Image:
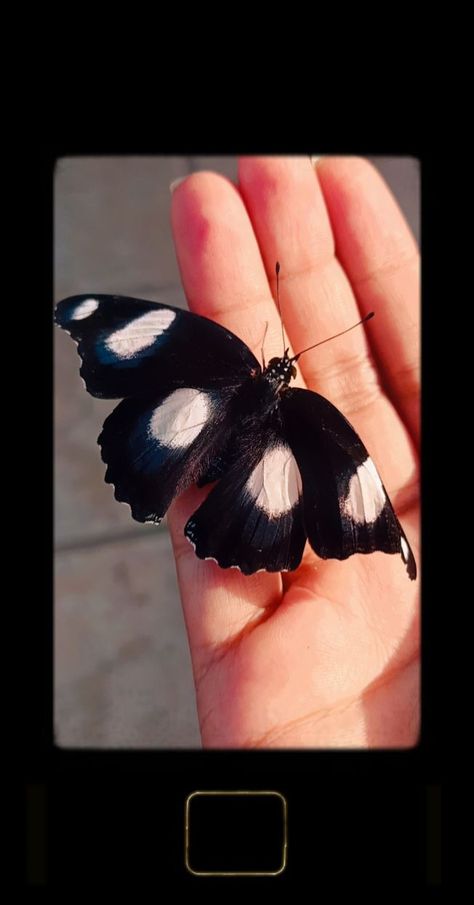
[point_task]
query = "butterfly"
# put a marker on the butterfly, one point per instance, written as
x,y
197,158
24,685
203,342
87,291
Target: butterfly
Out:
x,y
197,408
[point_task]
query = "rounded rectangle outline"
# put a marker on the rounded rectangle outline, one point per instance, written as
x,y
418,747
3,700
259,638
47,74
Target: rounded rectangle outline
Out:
x,y
196,873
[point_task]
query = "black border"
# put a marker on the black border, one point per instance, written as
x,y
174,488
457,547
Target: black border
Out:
x,y
119,814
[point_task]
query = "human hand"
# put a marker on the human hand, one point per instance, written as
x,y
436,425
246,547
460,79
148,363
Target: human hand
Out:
x,y
328,655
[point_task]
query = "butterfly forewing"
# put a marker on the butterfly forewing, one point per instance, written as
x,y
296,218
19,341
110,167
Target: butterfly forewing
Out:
x,y
130,347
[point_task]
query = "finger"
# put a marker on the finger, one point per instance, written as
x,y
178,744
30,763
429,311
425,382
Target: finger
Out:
x,y
290,220
381,259
224,279
220,263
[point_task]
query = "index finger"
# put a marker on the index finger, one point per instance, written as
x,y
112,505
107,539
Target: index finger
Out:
x,y
224,279
220,262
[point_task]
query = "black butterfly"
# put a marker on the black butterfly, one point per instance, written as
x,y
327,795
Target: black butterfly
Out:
x,y
197,407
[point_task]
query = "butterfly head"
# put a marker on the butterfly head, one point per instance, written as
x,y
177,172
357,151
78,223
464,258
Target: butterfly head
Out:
x,y
280,370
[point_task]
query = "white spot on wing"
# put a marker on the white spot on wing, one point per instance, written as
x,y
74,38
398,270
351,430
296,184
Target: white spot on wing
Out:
x,y
85,309
366,497
275,483
405,549
180,418
140,333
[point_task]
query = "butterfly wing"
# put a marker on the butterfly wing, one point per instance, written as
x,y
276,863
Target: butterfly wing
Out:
x,y
157,446
346,507
253,518
177,373
131,346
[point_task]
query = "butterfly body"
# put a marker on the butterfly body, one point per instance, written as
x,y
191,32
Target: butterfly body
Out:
x,y
198,408
280,371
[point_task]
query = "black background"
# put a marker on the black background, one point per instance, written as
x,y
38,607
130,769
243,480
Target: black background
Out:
x,y
357,821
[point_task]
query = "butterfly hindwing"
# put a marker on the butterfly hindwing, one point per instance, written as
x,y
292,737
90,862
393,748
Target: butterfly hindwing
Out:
x,y
253,518
220,463
346,507
156,447
130,347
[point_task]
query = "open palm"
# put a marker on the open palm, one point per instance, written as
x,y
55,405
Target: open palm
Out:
x,y
328,655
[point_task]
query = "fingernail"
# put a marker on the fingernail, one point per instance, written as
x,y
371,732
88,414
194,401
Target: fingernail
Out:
x,y
315,160
176,182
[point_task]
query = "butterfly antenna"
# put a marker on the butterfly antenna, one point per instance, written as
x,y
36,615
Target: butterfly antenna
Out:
x,y
277,271
364,319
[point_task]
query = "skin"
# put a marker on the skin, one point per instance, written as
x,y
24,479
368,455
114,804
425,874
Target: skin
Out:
x,y
326,656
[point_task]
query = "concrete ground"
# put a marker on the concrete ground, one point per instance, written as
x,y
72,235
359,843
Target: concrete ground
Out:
x,y
122,666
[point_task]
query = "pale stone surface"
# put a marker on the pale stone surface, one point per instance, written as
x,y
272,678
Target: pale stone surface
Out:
x,y
122,665
112,231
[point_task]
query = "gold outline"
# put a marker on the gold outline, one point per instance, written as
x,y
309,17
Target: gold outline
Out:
x,y
234,873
